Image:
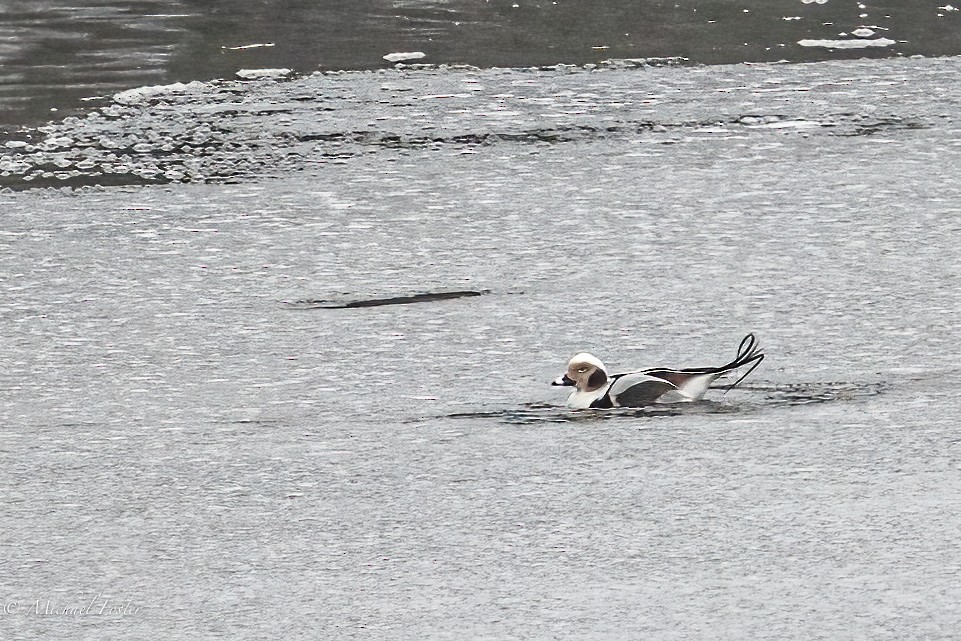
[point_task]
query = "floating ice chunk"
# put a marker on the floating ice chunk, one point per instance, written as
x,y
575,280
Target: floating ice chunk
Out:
x,y
847,44
791,124
143,94
14,167
258,74
863,32
401,56
54,142
253,46
817,1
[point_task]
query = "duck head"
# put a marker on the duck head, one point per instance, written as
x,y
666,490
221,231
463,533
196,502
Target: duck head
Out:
x,y
585,372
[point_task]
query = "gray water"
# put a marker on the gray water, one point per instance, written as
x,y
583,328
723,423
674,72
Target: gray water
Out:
x,y
184,433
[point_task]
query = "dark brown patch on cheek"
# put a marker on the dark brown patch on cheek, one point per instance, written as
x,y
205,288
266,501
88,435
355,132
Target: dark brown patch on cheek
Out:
x,y
596,380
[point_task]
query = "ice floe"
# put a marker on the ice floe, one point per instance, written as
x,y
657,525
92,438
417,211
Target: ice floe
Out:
x,y
847,44
401,56
258,74
143,94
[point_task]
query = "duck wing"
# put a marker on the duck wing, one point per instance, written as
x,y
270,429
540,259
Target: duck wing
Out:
x,y
638,389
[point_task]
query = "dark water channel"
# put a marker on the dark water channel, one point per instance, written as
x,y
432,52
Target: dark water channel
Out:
x,y
57,56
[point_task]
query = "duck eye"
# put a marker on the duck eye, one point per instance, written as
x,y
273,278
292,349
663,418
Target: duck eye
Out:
x,y
581,370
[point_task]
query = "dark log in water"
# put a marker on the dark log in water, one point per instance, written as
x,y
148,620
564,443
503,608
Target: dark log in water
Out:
x,y
425,297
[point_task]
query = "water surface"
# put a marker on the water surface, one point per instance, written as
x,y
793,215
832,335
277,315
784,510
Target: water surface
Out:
x,y
56,55
180,435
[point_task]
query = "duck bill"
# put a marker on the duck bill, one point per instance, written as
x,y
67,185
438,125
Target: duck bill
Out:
x,y
564,381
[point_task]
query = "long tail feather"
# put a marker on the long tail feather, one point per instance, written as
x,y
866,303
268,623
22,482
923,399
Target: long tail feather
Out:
x,y
748,353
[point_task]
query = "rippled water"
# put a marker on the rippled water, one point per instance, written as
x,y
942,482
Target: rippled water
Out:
x,y
57,56
181,431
